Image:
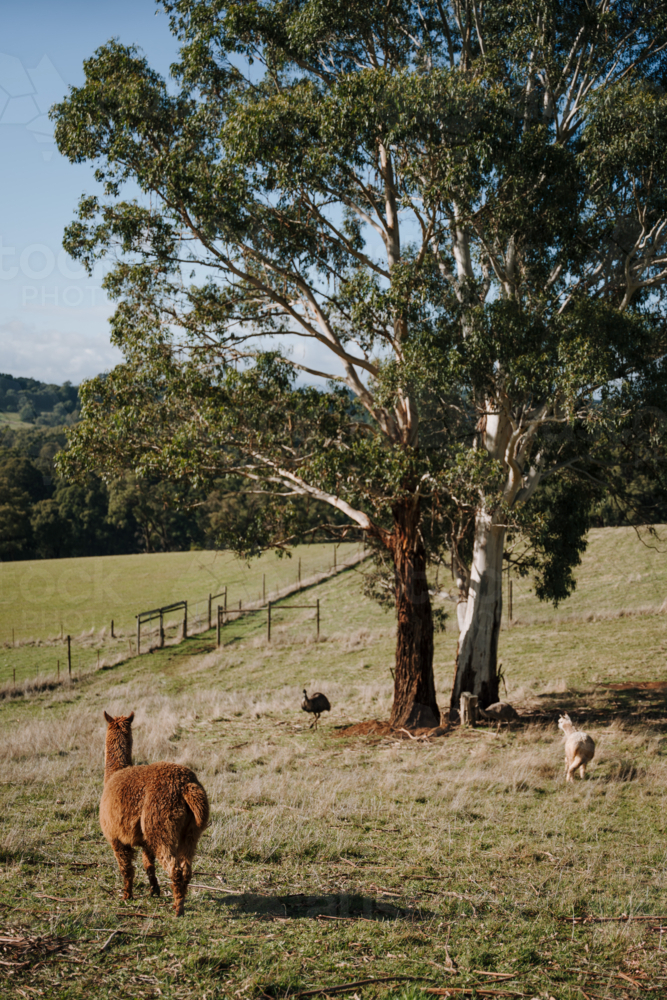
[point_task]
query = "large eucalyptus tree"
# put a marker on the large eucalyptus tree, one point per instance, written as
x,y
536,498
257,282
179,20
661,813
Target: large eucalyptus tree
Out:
x,y
458,209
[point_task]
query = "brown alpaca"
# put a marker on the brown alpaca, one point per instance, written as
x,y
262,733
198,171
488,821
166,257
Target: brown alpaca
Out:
x,y
161,808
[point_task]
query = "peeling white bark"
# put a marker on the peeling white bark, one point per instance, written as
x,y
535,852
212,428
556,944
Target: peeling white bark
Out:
x,y
478,641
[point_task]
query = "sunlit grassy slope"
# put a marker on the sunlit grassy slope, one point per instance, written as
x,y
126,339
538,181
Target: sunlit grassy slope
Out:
x,y
621,570
332,860
38,597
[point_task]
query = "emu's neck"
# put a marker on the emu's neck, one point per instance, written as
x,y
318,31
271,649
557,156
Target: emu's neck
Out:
x,y
117,753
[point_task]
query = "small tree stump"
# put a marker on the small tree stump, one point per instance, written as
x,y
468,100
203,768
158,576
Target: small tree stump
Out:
x,y
468,709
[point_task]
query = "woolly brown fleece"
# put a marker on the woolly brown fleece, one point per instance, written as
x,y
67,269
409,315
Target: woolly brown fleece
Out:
x,y
161,808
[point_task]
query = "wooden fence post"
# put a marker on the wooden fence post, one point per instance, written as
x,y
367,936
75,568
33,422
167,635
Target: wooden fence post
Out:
x,y
112,635
185,620
468,709
161,630
318,617
209,610
69,657
299,569
510,613
268,623
218,625
138,635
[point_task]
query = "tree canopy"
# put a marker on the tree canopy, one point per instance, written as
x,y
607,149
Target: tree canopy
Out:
x,y
449,218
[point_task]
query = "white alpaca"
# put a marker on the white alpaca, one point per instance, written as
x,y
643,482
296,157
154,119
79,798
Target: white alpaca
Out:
x,y
579,748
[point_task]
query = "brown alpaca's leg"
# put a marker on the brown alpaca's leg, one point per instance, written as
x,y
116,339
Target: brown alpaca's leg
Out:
x,y
582,771
184,865
124,856
179,888
173,869
149,868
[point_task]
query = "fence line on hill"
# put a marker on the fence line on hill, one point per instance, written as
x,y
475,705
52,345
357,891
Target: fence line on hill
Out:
x,y
117,645
198,623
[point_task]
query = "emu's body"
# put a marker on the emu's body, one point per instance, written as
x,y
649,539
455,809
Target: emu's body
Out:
x,y
161,808
500,711
579,748
316,704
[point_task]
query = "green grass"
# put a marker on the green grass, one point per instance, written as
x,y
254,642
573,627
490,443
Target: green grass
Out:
x,y
620,571
37,596
12,420
332,859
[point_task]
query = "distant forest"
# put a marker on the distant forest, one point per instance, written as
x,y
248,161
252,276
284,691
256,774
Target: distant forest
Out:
x,y
44,517
38,403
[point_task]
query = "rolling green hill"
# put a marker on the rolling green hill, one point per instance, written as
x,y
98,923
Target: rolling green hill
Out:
x,y
37,597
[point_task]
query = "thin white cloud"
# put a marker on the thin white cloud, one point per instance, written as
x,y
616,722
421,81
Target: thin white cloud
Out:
x,y
54,355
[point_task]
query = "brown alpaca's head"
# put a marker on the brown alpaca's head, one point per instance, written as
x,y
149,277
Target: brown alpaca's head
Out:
x,y
118,748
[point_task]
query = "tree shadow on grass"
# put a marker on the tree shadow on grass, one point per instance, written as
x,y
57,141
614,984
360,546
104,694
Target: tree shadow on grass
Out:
x,y
633,703
330,906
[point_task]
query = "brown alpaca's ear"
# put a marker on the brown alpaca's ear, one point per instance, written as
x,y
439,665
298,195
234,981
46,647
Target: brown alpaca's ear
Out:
x,y
130,717
109,718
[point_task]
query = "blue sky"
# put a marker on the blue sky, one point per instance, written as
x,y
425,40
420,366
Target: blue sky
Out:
x,y
53,318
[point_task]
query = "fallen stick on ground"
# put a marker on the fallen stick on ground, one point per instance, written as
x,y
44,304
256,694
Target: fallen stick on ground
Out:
x,y
120,930
480,991
347,987
109,940
497,975
622,975
218,888
58,899
590,919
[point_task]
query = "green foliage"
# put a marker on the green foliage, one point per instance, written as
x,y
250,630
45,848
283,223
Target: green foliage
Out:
x,y
554,536
462,211
34,401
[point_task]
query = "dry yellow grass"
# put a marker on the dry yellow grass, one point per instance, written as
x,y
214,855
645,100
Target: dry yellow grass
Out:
x,y
331,859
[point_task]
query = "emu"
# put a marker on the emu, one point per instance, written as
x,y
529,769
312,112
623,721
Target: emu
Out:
x,y
161,808
316,704
500,711
579,748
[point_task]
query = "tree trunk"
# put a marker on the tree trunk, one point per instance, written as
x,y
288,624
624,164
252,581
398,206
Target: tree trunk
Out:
x,y
414,686
476,659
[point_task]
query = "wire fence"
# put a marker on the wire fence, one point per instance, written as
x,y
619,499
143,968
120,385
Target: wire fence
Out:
x,y
65,655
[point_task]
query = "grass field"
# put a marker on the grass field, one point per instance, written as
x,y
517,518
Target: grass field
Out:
x,y
620,571
42,600
8,418
463,864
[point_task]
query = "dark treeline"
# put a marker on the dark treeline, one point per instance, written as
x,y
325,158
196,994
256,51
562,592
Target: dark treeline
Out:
x,y
39,403
44,517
